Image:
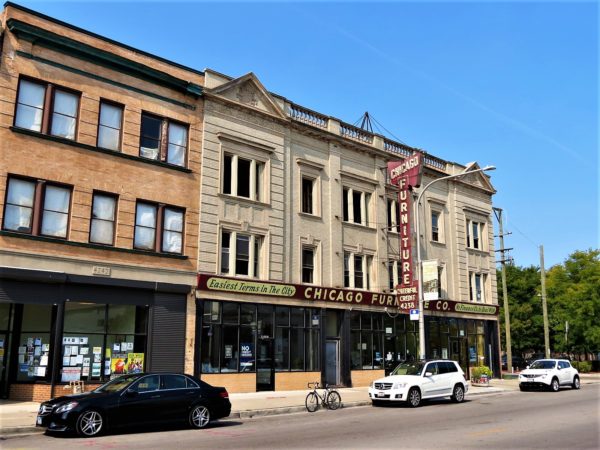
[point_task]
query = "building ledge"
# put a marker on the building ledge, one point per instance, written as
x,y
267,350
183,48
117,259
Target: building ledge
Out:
x,y
13,234
98,149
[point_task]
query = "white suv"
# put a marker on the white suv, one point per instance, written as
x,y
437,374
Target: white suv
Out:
x,y
413,382
549,373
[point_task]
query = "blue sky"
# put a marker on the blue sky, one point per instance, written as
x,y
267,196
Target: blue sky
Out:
x,y
511,84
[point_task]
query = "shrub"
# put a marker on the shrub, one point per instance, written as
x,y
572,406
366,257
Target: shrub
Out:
x,y
582,366
477,372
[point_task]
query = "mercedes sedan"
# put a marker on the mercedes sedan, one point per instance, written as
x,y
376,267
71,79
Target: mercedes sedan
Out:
x,y
136,400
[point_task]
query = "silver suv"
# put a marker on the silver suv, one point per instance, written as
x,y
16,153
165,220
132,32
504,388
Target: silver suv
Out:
x,y
549,373
412,382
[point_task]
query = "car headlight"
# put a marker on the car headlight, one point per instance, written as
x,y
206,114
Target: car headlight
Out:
x,y
66,407
399,385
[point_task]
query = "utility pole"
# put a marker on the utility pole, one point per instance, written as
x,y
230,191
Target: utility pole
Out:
x,y
498,213
544,306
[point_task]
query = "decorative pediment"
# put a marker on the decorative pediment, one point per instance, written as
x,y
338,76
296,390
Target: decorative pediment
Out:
x,y
478,179
249,92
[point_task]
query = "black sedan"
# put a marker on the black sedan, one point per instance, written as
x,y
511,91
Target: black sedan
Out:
x,y
136,399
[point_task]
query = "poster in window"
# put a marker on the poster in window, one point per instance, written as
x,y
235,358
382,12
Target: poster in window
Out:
x,y
228,351
70,374
84,350
135,362
37,341
83,340
85,371
40,371
86,361
45,347
74,350
22,350
44,360
118,364
97,350
38,350
66,361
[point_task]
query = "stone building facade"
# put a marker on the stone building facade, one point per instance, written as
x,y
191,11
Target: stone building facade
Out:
x,y
300,250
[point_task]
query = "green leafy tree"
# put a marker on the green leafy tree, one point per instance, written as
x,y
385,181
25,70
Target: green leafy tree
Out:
x,y
573,290
525,307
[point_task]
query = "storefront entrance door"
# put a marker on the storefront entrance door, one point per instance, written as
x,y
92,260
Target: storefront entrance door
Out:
x,y
458,352
332,361
265,365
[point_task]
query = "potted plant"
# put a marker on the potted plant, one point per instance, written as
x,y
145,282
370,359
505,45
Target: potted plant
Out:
x,y
481,375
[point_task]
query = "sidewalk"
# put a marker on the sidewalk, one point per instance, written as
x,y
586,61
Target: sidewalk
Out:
x,y
18,418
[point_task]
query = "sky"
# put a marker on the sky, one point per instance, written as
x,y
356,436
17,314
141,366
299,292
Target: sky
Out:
x,y
511,84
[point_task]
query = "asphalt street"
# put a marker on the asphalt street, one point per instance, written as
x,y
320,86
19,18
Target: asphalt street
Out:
x,y
510,420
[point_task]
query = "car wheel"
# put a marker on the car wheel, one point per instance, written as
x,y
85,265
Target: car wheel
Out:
x,y
376,402
554,386
414,397
459,394
199,416
89,423
576,383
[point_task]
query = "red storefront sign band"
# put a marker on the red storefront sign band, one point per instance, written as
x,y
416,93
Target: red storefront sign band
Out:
x,y
216,283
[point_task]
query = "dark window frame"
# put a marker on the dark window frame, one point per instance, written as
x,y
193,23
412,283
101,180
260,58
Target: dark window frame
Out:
x,y
159,226
37,210
115,197
114,104
163,138
50,90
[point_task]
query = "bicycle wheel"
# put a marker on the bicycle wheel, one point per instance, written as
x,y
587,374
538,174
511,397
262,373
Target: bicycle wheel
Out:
x,y
334,400
312,402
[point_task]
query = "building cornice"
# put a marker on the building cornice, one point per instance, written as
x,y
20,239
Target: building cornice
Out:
x,y
85,52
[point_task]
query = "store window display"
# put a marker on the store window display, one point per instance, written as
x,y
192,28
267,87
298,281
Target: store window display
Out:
x,y
100,341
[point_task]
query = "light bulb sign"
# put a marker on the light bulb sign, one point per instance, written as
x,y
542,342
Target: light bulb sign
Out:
x,y
406,175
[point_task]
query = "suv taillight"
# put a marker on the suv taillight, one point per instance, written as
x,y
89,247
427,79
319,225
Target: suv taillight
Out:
x,y
224,394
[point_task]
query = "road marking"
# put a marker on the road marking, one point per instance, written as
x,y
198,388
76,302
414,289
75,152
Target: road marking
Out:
x,y
487,432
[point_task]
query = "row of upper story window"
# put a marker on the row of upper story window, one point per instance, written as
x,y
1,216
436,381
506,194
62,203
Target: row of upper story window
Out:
x,y
244,254
53,110
43,208
475,229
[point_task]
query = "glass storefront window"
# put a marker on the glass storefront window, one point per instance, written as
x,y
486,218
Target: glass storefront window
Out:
x,y
282,316
100,341
297,349
230,350
211,339
282,346
34,343
122,319
230,313
231,347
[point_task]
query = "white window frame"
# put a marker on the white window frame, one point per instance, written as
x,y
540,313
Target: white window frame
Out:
x,y
396,273
473,277
259,156
393,215
252,256
366,265
481,227
365,206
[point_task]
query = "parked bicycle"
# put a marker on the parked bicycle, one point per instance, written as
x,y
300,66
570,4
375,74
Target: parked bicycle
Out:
x,y
330,398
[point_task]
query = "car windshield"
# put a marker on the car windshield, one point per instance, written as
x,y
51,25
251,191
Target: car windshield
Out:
x,y
409,369
118,383
543,364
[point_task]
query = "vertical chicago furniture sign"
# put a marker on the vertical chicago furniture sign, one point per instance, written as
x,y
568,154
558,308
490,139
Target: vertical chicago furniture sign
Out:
x,y
406,175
